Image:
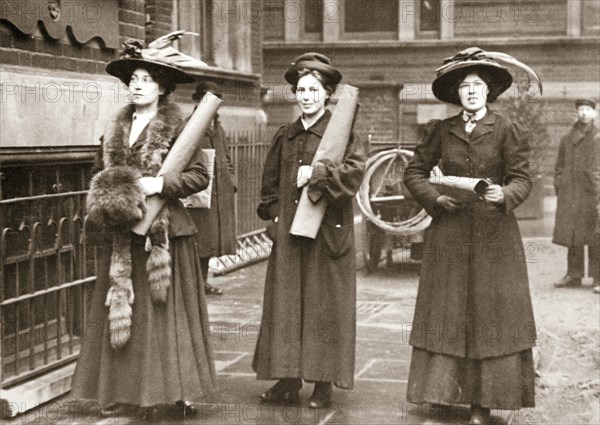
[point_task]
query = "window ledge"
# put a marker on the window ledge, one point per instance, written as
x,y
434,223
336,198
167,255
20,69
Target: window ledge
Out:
x,y
458,42
222,73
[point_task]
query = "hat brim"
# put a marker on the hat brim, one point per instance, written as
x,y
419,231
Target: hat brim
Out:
x,y
331,74
123,68
585,102
445,86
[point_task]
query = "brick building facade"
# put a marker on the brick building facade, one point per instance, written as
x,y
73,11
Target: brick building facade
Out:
x,y
56,99
391,48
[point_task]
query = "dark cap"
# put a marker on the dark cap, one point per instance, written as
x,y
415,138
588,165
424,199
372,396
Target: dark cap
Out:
x,y
585,101
206,86
315,62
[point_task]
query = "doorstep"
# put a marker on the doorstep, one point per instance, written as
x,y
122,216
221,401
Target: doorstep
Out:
x,y
30,394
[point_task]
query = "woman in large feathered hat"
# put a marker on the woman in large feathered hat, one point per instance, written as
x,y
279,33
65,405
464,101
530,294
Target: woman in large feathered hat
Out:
x,y
473,329
149,348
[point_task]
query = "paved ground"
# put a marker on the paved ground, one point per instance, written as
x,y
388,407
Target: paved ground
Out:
x,y
385,307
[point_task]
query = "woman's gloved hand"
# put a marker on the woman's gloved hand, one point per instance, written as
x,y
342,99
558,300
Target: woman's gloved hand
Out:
x,y
304,175
152,185
494,194
448,203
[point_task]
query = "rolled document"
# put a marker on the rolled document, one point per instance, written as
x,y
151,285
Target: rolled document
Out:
x,y
463,189
180,154
309,216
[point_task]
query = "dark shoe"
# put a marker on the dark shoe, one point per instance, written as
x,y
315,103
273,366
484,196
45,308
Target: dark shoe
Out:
x,y
185,409
479,415
117,409
285,391
211,290
321,396
568,282
151,414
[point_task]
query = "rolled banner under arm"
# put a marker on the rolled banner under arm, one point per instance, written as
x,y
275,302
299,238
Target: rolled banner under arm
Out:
x,y
309,215
180,154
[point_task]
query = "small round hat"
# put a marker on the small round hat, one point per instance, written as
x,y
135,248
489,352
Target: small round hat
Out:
x,y
313,61
585,101
456,68
206,86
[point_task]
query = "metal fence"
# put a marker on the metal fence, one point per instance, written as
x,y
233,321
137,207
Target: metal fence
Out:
x,y
46,271
47,267
248,150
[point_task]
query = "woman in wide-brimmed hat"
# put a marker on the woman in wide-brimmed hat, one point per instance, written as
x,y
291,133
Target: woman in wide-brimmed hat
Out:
x,y
150,346
473,328
308,325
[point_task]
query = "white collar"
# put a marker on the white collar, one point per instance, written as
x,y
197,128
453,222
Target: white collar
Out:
x,y
476,115
144,116
306,126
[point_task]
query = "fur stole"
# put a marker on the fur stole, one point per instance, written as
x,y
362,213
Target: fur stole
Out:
x,y
116,201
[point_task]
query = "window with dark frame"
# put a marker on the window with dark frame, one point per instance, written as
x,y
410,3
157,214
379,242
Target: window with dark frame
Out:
x,y
429,15
371,16
313,16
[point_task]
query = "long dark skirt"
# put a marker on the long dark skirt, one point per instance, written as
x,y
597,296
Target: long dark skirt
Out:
x,y
168,357
505,382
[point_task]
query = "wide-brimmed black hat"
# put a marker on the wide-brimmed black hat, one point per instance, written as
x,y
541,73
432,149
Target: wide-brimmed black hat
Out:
x,y
206,86
585,101
316,62
134,56
456,68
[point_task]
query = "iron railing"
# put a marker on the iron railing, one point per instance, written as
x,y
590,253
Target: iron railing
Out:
x,y
46,270
48,265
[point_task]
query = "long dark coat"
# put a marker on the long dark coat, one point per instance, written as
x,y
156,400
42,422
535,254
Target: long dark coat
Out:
x,y
168,357
216,225
308,327
473,298
577,184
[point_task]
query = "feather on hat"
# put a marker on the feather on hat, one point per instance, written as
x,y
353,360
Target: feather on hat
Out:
x,y
159,55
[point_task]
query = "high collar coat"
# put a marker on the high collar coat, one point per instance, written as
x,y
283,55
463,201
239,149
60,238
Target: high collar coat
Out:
x,y
577,184
473,298
308,327
216,225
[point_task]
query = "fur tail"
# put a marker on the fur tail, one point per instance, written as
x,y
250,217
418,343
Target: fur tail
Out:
x,y
120,295
159,273
119,317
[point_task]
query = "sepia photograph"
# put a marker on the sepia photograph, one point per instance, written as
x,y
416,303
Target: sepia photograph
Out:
x,y
344,212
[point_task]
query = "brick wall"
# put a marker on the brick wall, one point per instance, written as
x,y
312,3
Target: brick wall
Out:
x,y
42,52
160,12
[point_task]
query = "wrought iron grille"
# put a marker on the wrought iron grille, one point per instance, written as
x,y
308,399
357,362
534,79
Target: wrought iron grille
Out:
x,y
47,270
48,262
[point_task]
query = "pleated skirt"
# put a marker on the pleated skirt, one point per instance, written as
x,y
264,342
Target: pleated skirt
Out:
x,y
506,382
168,357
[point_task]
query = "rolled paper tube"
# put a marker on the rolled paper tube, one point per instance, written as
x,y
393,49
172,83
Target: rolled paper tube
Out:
x,y
180,154
309,215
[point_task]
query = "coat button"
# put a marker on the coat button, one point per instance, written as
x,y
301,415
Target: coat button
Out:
x,y
299,161
295,202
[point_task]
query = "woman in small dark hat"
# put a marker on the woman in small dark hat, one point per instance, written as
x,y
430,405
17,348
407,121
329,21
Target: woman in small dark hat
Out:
x,y
473,328
149,344
308,325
